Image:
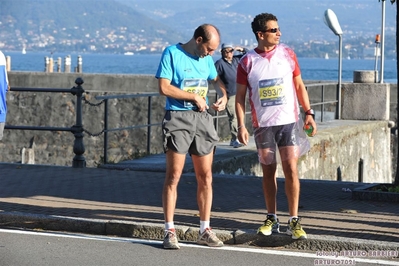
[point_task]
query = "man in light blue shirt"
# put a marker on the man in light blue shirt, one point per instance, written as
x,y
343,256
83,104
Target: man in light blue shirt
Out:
x,y
4,87
184,74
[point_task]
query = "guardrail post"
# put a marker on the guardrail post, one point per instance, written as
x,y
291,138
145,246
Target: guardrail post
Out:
x,y
79,160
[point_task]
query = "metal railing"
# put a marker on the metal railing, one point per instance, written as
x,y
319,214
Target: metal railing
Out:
x,y
322,104
149,124
78,130
79,160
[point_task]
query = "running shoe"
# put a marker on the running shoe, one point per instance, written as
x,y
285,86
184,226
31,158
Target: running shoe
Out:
x,y
295,229
270,225
237,144
208,237
170,240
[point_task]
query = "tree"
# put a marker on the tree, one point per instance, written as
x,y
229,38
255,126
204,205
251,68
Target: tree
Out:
x,y
397,83
396,183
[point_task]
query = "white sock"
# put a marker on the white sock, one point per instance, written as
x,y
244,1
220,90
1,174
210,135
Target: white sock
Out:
x,y
204,225
292,217
169,225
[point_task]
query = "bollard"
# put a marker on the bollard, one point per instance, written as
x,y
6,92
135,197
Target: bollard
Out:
x,y
360,171
8,63
59,62
46,64
364,76
67,67
339,174
79,67
50,65
79,160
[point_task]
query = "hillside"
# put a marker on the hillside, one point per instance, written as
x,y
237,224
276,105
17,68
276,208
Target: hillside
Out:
x,y
299,20
78,24
147,26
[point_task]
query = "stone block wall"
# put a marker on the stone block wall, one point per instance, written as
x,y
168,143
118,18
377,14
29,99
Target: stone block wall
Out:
x,y
336,146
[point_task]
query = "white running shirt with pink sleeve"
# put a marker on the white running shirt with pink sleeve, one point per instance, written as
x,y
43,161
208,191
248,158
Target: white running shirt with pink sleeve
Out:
x,y
269,78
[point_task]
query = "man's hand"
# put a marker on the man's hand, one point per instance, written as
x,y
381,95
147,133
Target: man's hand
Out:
x,y
200,102
220,104
243,135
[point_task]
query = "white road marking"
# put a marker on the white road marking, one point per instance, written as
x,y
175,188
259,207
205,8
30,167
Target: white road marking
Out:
x,y
230,248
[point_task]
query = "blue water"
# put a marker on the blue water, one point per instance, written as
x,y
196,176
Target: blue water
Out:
x,y
311,68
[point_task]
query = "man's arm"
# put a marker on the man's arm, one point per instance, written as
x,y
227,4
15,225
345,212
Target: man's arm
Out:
x,y
219,86
303,99
242,50
168,90
243,136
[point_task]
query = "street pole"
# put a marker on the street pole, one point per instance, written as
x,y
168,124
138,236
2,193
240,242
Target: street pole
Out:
x,y
377,51
339,77
382,43
331,20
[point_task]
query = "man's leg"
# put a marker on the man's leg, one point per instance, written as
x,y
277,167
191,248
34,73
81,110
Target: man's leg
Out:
x,y
174,168
292,191
269,185
2,124
203,173
292,186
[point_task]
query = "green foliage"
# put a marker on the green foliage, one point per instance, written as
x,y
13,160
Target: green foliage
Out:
x,y
394,189
386,188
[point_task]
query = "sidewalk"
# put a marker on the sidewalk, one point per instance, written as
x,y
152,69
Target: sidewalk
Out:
x,y
128,203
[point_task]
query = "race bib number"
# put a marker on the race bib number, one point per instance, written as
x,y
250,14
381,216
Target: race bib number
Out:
x,y
197,86
271,92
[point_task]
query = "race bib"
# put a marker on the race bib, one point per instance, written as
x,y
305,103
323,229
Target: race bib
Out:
x,y
271,92
197,86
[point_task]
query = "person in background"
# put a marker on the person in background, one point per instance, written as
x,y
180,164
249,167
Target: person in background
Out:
x,y
271,75
227,71
183,76
4,87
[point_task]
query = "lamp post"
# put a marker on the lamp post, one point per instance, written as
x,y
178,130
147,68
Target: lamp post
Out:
x,y
331,20
382,43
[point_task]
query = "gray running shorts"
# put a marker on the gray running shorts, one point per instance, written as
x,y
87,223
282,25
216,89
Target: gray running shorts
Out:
x,y
189,131
269,137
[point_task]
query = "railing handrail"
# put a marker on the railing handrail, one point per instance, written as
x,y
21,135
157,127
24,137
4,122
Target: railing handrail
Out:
x,y
79,160
77,129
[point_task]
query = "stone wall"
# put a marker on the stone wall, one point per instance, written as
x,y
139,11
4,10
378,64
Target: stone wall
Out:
x,y
335,143
345,150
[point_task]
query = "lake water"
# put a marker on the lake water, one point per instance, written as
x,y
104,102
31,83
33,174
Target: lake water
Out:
x,y
311,68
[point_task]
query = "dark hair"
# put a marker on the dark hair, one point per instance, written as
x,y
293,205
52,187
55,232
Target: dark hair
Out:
x,y
203,31
260,21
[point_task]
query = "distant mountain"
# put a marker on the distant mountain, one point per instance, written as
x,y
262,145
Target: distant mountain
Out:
x,y
143,26
299,20
80,24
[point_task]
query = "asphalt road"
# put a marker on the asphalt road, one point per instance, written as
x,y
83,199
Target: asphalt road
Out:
x,y
31,248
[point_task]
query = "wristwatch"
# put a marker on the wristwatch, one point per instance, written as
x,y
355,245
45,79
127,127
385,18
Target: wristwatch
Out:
x,y
310,112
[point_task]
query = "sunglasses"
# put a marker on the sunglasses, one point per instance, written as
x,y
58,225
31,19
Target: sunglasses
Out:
x,y
273,30
228,51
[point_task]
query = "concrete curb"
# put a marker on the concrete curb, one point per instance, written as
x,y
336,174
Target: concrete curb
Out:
x,y
187,234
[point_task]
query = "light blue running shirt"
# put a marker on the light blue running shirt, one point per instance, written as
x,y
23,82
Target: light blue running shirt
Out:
x,y
187,72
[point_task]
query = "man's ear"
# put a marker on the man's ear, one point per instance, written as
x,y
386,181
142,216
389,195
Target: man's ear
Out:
x,y
199,39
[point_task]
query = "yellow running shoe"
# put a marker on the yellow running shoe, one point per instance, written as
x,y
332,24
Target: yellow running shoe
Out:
x,y
270,225
295,229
